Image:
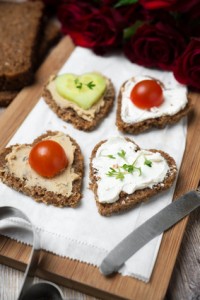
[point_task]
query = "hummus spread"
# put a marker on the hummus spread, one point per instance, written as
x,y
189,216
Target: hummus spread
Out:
x,y
17,164
87,115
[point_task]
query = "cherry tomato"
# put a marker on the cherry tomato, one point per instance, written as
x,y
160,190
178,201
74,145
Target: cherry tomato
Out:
x,y
48,158
146,94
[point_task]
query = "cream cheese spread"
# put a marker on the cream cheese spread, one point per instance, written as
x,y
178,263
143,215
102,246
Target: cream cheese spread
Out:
x,y
87,115
149,168
17,164
175,99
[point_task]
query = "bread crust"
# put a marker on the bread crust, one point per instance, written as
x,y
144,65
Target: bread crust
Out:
x,y
19,58
71,116
41,194
126,201
6,97
51,35
160,122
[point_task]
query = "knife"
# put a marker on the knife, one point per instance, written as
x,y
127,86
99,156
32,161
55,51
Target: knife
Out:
x,y
153,227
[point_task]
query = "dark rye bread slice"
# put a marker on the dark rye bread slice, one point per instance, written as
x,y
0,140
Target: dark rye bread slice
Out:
x,y
6,97
20,25
142,126
37,192
70,115
126,201
51,35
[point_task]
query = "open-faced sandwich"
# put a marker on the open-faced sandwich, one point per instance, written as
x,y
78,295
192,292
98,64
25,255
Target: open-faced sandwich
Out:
x,y
145,102
49,170
122,174
81,100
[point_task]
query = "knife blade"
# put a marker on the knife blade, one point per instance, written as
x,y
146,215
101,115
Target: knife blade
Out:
x,y
153,227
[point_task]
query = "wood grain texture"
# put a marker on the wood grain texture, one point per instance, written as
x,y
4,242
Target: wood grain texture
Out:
x,y
11,281
185,280
1,111
78,275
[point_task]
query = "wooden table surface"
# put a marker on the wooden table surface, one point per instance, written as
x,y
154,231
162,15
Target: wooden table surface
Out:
x,y
185,280
184,284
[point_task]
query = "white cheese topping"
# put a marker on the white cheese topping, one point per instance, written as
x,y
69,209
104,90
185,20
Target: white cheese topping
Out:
x,y
107,156
175,99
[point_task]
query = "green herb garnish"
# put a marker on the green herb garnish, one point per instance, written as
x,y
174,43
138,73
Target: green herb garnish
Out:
x,y
148,162
117,173
90,85
124,2
122,154
121,171
80,84
111,156
131,168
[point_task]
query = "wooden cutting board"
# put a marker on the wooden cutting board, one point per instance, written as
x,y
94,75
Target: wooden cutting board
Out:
x,y
81,276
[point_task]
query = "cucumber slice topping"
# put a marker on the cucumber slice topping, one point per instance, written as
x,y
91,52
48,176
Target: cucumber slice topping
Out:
x,y
84,90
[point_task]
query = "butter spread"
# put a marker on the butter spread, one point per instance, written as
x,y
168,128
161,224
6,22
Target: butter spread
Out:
x,y
87,115
17,164
107,156
175,99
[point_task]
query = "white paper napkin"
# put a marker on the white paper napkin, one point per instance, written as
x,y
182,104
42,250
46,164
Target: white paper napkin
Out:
x,y
82,233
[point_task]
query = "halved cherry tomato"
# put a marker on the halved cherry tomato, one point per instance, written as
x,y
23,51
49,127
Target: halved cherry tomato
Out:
x,y
146,94
48,158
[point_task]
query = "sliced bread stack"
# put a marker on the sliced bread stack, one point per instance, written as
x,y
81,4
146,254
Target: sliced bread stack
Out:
x,y
24,40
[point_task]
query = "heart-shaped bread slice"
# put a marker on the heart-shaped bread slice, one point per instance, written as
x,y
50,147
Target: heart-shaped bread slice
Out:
x,y
122,174
82,100
132,119
84,90
61,190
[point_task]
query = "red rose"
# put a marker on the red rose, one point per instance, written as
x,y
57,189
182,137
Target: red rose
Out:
x,y
174,5
96,28
72,15
156,45
186,5
187,68
158,4
191,28
130,13
157,16
109,2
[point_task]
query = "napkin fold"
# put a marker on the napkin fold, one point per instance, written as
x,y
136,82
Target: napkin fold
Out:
x,y
82,233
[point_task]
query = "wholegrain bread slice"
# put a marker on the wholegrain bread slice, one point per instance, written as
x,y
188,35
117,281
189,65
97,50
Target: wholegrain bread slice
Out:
x,y
50,37
39,193
70,115
160,122
20,31
6,97
128,201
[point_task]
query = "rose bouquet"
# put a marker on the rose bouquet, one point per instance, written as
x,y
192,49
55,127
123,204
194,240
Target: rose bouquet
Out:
x,y
163,34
